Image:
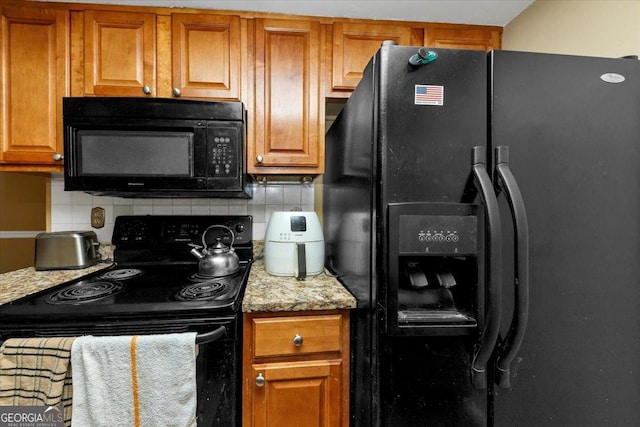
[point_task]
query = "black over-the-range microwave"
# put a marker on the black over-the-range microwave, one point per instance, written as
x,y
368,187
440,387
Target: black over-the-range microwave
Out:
x,y
153,147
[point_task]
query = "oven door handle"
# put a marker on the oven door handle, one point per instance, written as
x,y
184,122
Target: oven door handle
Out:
x,y
214,335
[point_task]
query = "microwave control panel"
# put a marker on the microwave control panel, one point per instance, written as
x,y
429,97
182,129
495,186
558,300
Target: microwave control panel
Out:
x,y
225,150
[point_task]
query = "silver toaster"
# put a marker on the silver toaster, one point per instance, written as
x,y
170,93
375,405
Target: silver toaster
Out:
x,y
64,250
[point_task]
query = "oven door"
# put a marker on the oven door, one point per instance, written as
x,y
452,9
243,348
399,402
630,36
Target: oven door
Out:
x,y
218,362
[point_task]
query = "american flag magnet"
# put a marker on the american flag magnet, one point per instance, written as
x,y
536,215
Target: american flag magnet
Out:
x,y
429,95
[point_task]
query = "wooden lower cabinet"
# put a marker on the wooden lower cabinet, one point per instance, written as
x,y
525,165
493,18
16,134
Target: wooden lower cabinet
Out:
x,y
297,393
296,369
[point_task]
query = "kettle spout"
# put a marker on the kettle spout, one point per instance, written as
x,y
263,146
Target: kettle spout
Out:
x,y
196,253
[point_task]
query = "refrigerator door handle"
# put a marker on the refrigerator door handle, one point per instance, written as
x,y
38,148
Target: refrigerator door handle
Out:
x,y
511,344
488,339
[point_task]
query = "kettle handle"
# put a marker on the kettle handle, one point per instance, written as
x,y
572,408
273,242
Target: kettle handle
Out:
x,y
233,236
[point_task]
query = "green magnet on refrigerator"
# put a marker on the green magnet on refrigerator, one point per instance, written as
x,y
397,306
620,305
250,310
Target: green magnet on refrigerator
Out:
x,y
423,57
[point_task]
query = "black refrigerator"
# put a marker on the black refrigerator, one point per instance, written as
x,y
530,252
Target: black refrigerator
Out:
x,y
484,209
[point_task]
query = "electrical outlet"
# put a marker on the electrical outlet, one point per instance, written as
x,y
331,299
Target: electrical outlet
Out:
x,y
97,217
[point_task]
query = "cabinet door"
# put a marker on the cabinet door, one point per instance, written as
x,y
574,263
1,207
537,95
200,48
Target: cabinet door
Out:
x,y
476,38
206,56
355,44
35,77
297,394
119,53
288,105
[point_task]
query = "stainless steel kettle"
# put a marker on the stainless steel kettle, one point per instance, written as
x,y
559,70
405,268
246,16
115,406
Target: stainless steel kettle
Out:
x,y
219,259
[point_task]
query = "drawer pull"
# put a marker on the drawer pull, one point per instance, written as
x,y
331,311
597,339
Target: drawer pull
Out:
x,y
297,340
260,380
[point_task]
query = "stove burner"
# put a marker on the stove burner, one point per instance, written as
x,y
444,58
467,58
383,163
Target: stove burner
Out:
x,y
82,292
121,274
201,291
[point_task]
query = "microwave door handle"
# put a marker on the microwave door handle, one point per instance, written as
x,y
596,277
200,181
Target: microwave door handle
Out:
x,y
489,336
511,345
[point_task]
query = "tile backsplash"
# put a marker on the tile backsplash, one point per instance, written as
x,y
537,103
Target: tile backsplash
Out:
x,y
71,210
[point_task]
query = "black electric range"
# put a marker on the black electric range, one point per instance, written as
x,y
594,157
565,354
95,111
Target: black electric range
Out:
x,y
154,287
153,275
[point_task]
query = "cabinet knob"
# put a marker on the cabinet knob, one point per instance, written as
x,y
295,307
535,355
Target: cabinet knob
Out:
x,y
260,380
57,157
259,158
146,89
176,92
297,340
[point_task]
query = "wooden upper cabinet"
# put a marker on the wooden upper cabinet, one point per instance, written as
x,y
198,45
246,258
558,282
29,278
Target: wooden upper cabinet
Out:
x,y
35,77
119,53
288,106
206,56
353,46
463,37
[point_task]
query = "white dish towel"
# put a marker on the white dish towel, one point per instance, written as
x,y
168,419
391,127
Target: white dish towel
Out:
x,y
134,381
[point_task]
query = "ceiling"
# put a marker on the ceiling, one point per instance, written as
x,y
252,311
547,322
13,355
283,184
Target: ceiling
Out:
x,y
481,12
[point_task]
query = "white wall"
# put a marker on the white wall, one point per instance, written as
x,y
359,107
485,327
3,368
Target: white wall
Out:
x,y
607,28
70,210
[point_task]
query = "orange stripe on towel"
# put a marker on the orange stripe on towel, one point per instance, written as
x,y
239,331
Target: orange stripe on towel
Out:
x,y
134,383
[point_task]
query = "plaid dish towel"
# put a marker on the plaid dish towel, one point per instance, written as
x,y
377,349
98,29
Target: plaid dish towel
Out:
x,y
36,371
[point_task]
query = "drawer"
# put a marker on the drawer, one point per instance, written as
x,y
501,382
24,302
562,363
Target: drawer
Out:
x,y
282,336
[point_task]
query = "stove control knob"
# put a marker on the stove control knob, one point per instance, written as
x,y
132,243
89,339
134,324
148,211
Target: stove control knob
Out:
x,y
239,228
260,380
297,340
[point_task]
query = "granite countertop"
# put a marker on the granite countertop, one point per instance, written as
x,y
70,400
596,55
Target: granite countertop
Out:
x,y
272,293
264,292
19,283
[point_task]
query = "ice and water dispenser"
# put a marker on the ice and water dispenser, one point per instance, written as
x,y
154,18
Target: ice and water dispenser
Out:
x,y
435,284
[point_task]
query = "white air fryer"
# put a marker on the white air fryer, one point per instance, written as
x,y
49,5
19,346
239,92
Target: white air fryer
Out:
x,y
294,245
